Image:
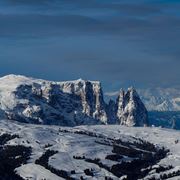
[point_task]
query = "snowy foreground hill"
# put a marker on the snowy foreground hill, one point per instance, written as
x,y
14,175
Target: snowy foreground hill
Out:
x,y
36,152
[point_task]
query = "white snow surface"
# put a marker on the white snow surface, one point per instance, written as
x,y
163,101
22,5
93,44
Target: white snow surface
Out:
x,y
69,144
34,171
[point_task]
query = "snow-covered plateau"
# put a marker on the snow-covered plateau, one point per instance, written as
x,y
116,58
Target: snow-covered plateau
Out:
x,y
36,152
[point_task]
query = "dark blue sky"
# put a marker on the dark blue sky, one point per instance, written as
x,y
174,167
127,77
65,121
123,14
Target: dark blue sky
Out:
x,y
119,42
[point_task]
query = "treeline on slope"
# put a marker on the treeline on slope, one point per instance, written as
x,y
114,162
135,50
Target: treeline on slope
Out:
x,y
11,157
43,161
143,154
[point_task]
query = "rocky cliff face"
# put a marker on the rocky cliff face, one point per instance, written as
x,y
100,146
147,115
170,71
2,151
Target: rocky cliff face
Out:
x,y
130,109
90,95
66,103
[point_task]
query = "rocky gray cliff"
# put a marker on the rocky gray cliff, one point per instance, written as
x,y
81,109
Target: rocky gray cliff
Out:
x,y
130,109
67,103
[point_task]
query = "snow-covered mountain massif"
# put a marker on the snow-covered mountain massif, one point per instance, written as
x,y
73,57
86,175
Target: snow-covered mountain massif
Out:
x,y
33,148
38,152
67,103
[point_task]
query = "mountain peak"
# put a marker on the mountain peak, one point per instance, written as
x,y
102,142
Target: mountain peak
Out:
x,y
130,109
14,77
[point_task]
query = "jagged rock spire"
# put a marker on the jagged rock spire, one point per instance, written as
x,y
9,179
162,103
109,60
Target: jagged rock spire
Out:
x,y
130,109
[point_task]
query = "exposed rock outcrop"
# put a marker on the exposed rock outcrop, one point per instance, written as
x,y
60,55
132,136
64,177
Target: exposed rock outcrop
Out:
x,y
130,109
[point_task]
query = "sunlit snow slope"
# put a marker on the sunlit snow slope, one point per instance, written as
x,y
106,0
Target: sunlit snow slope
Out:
x,y
89,152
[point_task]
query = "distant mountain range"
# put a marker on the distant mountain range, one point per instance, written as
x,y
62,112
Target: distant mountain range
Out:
x,y
68,103
158,99
163,105
161,99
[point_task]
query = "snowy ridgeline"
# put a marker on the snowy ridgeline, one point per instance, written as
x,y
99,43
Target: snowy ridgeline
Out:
x,y
67,103
87,152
